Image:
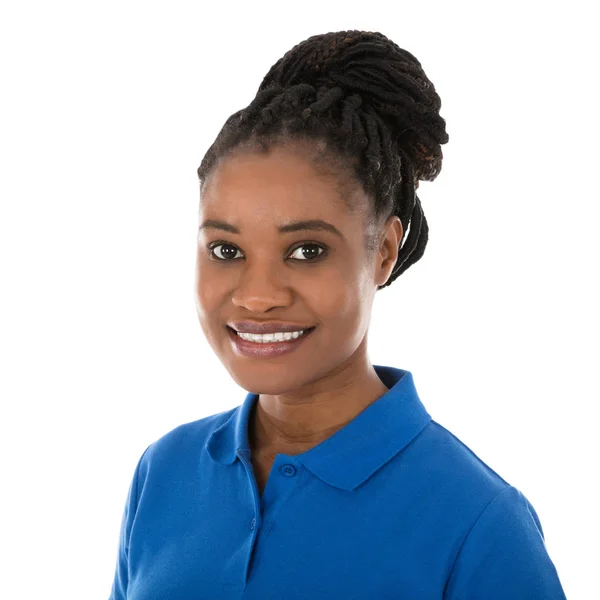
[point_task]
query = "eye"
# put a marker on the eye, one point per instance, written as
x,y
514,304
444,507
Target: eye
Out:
x,y
227,254
312,254
223,251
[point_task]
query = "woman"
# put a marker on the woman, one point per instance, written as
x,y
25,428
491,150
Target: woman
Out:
x,y
330,480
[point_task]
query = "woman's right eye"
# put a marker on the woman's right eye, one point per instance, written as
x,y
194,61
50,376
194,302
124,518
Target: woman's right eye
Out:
x,y
227,251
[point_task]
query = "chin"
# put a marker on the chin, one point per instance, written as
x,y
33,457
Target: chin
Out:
x,y
266,377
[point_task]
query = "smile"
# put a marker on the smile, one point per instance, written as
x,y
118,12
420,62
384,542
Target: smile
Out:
x,y
264,338
267,345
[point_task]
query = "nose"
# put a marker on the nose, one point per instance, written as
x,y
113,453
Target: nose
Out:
x,y
261,287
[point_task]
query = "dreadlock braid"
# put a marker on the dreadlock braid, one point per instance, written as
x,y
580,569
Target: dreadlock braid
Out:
x,y
373,106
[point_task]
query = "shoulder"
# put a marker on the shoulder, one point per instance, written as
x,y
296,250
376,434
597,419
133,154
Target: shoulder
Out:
x,y
499,546
494,497
504,554
447,453
462,480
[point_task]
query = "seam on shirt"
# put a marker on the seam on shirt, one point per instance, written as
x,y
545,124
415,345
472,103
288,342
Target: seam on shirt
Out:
x,y
137,476
533,513
508,487
135,487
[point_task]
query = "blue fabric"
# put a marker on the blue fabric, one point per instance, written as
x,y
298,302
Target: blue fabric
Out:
x,y
392,506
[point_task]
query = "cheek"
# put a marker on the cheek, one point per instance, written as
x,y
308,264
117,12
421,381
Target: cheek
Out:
x,y
207,292
338,299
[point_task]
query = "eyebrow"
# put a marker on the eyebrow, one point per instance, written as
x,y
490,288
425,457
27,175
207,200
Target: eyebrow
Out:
x,y
309,225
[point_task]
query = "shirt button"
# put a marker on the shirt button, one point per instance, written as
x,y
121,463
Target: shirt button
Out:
x,y
252,524
288,470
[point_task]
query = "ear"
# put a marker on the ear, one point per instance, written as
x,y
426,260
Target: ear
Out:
x,y
388,250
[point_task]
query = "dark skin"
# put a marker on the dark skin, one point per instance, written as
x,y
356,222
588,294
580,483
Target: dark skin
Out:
x,y
307,395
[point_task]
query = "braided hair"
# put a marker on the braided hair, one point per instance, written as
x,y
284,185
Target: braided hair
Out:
x,y
368,105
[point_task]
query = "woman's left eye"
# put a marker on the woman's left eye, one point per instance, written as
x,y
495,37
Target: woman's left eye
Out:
x,y
311,255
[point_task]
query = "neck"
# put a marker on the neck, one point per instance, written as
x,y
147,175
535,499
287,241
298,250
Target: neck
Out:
x,y
291,425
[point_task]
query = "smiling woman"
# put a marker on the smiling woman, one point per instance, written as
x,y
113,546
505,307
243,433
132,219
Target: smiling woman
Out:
x,y
331,479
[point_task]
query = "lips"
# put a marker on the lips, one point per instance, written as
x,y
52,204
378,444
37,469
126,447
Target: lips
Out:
x,y
266,350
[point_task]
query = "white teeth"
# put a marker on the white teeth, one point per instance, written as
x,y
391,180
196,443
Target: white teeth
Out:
x,y
271,337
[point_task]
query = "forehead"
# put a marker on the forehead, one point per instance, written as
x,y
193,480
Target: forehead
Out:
x,y
281,184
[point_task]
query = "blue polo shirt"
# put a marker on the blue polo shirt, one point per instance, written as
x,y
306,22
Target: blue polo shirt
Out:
x,y
391,506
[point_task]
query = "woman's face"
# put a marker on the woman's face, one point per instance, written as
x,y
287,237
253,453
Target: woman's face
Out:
x,y
319,278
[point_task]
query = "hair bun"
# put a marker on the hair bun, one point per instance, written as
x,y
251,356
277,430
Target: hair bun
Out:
x,y
387,78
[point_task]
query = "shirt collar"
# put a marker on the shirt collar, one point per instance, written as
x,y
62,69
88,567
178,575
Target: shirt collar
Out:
x,y
354,452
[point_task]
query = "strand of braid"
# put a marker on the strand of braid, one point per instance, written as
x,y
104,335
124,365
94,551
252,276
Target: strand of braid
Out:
x,y
372,104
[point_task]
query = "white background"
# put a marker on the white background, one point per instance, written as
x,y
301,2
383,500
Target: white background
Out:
x,y
106,111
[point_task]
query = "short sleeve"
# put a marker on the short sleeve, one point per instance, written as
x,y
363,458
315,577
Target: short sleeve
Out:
x,y
121,578
505,556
